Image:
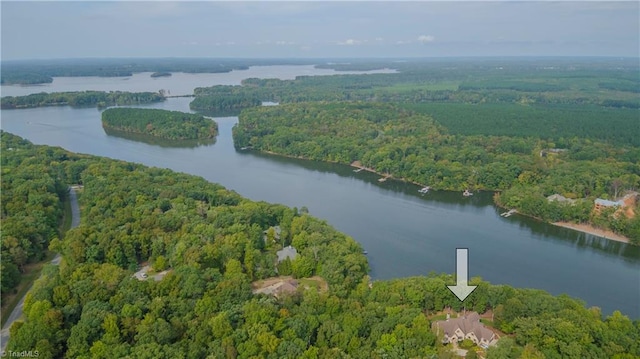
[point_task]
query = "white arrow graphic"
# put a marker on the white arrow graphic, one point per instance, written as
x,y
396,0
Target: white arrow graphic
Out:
x,y
462,289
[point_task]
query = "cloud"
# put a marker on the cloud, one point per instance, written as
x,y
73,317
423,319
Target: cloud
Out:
x,y
350,42
426,38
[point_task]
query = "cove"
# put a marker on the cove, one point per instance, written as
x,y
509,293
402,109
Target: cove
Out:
x,y
404,233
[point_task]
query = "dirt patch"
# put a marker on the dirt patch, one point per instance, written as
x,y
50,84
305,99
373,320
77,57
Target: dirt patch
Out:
x,y
585,228
321,283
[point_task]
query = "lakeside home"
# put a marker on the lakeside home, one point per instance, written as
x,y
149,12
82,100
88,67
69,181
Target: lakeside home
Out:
x,y
626,204
467,326
288,252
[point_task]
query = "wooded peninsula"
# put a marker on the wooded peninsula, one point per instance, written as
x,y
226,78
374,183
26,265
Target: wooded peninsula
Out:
x,y
170,125
211,243
98,99
550,138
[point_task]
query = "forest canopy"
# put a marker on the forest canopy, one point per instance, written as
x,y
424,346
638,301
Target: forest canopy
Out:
x,y
80,99
212,244
393,140
171,125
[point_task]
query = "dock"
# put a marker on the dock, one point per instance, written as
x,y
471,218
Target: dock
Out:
x,y
358,170
382,179
508,214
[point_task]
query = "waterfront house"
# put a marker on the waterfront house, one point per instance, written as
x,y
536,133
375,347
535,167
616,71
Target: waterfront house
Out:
x,y
560,198
600,204
287,252
288,286
626,202
467,326
276,234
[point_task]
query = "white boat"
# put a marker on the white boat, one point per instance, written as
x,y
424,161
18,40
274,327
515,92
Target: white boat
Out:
x,y
466,193
424,189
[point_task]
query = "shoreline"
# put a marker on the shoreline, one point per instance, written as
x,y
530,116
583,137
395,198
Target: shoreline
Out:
x,y
589,229
358,164
584,228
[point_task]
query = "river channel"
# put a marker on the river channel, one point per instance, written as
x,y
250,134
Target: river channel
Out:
x,y
404,233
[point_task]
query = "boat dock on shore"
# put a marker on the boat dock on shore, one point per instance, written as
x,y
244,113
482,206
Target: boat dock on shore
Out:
x,y
508,214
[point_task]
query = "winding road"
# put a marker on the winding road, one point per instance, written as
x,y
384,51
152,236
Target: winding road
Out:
x,y
17,311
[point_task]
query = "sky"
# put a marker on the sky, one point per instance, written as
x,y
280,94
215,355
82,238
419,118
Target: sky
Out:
x,y
305,29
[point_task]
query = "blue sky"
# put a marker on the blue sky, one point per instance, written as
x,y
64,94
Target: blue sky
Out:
x,y
45,30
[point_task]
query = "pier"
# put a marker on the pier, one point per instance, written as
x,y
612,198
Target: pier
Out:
x,y
508,214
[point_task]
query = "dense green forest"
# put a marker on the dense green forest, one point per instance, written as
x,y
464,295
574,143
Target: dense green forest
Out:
x,y
161,74
80,99
211,242
550,83
42,71
413,146
171,125
555,122
32,195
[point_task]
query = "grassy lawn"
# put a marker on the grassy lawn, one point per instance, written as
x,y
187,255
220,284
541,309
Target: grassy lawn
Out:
x,y
65,223
32,270
31,273
438,317
309,283
487,322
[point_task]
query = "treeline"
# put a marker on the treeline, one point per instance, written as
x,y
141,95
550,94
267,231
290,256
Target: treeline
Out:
x,y
171,125
599,84
32,71
161,74
412,146
33,189
24,78
223,103
42,71
80,99
552,122
212,242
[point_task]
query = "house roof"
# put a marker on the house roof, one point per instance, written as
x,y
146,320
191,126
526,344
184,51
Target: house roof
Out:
x,y
287,252
276,231
469,323
559,198
607,203
276,289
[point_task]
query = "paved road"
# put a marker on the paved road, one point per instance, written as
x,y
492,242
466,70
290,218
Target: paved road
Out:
x,y
17,311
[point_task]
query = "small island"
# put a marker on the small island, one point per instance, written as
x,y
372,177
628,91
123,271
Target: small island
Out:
x,y
161,74
170,125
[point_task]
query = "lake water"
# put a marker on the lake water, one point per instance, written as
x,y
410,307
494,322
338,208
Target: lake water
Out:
x,y
178,84
404,233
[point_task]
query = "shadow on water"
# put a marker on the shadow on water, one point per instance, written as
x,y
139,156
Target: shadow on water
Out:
x,y
155,141
540,230
548,232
